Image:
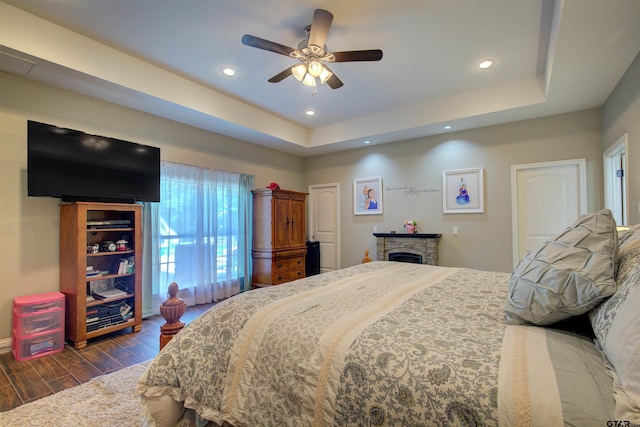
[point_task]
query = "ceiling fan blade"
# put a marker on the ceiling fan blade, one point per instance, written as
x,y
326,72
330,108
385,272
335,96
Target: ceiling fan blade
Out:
x,y
358,55
263,44
334,82
280,76
320,28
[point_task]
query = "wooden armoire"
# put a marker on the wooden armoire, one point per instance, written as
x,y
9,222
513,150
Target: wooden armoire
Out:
x,y
279,248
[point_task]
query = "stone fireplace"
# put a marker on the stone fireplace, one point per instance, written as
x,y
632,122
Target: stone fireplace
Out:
x,y
417,248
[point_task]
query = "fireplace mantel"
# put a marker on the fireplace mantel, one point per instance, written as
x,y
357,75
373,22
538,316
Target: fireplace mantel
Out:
x,y
409,236
425,245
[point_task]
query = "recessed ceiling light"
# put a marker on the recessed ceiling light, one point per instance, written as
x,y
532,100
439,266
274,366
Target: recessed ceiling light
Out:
x,y
310,113
485,64
447,127
228,71
367,142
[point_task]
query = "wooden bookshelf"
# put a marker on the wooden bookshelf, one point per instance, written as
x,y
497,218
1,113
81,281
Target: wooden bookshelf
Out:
x,y
77,233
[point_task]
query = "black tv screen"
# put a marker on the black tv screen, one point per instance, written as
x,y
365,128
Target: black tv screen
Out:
x,y
76,166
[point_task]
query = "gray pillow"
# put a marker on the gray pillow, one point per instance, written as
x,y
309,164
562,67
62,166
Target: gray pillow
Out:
x,y
566,276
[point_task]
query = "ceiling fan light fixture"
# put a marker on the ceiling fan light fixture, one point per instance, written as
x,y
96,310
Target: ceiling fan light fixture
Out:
x,y
325,75
315,68
299,71
309,80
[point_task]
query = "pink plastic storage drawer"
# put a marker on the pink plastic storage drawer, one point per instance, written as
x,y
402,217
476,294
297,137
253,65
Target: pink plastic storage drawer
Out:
x,y
38,303
39,321
37,345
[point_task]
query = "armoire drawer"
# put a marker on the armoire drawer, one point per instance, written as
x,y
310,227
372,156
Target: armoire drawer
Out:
x,y
287,263
287,275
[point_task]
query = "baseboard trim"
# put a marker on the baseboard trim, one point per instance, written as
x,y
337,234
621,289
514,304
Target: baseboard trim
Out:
x,y
5,345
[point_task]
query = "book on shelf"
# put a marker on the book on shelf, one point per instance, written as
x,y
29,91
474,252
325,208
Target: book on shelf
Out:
x,y
122,266
91,272
97,273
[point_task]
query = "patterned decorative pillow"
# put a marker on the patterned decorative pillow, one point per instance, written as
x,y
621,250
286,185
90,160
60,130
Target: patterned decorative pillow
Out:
x,y
616,324
628,259
566,276
628,247
622,350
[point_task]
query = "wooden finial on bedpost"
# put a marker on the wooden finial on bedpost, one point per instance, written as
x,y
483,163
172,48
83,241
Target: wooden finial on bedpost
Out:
x,y
172,309
366,257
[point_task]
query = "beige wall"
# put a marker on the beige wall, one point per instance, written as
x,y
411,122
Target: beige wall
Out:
x,y
29,226
621,114
485,239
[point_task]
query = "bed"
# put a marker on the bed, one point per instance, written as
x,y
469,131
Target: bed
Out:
x,y
399,344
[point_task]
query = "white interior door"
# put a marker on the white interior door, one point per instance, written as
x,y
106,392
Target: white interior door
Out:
x,y
324,223
546,198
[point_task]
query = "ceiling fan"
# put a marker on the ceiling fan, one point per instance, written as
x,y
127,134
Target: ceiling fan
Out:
x,y
312,54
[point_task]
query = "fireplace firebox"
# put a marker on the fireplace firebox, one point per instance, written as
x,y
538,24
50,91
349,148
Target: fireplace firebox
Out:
x,y
406,257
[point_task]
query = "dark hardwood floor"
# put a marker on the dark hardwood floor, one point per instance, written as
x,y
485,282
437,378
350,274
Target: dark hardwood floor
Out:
x,y
23,382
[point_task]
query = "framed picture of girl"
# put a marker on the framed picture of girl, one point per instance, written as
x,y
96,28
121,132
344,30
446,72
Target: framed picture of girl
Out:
x,y
367,196
463,191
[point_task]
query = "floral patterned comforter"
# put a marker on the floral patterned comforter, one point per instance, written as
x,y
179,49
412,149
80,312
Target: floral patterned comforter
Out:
x,y
381,343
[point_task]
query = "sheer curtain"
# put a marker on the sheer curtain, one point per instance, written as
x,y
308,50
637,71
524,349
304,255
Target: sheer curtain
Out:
x,y
198,236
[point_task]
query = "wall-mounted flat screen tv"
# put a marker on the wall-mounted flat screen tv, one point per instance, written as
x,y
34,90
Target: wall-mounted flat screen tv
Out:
x,y
75,166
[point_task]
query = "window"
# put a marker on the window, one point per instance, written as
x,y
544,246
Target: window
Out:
x,y
186,228
201,233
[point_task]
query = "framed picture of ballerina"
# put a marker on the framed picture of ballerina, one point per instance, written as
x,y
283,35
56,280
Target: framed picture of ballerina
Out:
x,y
367,196
463,191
